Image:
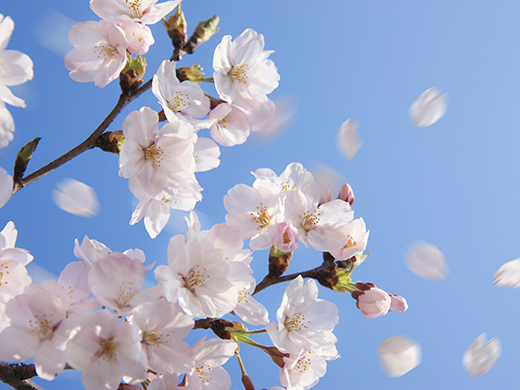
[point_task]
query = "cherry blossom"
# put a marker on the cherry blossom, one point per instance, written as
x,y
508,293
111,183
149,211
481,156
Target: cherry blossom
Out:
x,y
197,277
206,154
15,68
162,326
209,356
156,159
76,198
287,237
144,11
398,355
138,36
428,108
243,74
180,100
346,193
481,356
303,319
357,237
373,302
105,349
231,126
99,52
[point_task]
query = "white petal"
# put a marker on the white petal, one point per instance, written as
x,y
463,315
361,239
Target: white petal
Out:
x,y
426,261
508,275
480,357
76,198
348,139
398,355
428,108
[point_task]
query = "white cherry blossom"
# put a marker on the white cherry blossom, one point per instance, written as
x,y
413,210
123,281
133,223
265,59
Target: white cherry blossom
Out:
x,y
303,319
243,74
231,126
209,356
357,236
180,100
144,11
398,355
206,154
99,52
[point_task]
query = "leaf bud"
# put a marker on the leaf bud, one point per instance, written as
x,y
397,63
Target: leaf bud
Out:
x,y
203,32
111,141
131,76
177,28
225,328
23,157
192,73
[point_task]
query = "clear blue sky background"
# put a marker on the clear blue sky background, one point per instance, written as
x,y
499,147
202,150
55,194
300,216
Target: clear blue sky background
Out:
x,y
454,184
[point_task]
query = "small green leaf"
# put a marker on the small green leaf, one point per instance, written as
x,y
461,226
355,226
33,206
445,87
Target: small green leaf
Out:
x,y
23,157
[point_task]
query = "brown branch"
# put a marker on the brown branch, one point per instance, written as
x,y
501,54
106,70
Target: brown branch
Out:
x,y
17,376
316,273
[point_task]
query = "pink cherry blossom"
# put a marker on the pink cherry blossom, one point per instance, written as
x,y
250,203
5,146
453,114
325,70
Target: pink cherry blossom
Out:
x,y
398,304
99,52
231,126
357,237
287,237
346,193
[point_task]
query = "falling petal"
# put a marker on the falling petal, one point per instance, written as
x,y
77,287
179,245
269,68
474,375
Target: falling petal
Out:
x,y
508,275
426,261
348,139
398,355
480,357
76,198
52,30
428,108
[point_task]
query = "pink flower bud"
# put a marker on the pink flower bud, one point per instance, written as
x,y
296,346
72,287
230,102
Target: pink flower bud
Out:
x,y
373,303
346,194
398,303
286,240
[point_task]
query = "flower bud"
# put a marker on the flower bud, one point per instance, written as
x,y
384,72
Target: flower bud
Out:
x,y
225,328
346,194
338,280
131,76
203,32
193,73
373,302
111,141
398,303
177,28
286,240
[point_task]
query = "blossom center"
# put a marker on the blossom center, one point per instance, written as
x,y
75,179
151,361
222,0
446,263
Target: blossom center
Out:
x,y
261,217
125,293
179,102
205,374
351,242
296,322
288,187
195,278
43,326
243,295
154,153
4,272
135,8
221,123
304,363
239,73
107,350
310,220
152,338
104,51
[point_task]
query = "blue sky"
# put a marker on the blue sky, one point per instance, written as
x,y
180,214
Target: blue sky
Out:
x,y
454,184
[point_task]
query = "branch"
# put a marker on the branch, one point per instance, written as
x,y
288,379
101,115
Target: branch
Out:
x,y
315,273
17,376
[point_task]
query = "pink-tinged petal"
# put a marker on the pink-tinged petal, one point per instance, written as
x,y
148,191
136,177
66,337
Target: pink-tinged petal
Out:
x,y
348,139
49,360
480,357
508,275
206,154
159,11
398,303
399,355
426,261
76,198
6,127
214,352
428,108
